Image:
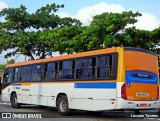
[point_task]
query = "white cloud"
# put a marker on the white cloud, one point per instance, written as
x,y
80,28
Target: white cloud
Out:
x,y
86,13
63,14
147,22
3,5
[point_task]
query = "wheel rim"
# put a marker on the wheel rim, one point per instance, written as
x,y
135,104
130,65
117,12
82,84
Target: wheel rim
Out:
x,y
63,106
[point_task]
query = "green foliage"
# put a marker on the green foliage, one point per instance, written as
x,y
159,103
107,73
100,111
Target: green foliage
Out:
x,y
108,30
143,39
12,61
104,31
30,33
2,66
43,32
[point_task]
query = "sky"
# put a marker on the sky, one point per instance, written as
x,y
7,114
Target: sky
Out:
x,y
84,10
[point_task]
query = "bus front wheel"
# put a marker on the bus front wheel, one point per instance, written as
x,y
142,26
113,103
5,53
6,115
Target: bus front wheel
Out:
x,y
63,106
14,102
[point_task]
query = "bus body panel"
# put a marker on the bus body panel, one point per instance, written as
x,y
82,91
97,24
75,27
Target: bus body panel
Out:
x,y
141,85
94,96
141,76
140,61
132,104
6,95
121,68
83,99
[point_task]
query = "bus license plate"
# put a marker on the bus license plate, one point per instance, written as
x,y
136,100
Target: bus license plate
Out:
x,y
143,105
141,94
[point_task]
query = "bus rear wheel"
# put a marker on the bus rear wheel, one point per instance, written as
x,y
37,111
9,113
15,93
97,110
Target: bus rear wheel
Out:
x,y
62,106
14,102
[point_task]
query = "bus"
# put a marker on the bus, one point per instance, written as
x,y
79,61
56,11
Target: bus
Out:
x,y
118,78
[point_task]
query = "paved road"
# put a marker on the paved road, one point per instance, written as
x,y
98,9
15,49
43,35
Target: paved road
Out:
x,y
50,114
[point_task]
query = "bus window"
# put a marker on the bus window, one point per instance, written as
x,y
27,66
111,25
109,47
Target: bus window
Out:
x,y
17,74
25,73
37,72
50,71
66,70
5,78
8,76
104,67
85,68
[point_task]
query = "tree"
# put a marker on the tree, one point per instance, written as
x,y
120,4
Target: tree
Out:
x,y
2,66
28,33
12,61
142,39
104,31
44,32
108,30
156,39
66,41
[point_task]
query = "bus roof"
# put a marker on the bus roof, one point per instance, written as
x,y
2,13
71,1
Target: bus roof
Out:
x,y
139,50
63,57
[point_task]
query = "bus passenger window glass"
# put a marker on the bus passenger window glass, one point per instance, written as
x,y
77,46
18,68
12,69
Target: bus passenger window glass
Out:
x,y
8,76
28,73
51,66
17,74
104,67
34,68
50,71
37,72
80,63
85,68
5,78
66,70
25,73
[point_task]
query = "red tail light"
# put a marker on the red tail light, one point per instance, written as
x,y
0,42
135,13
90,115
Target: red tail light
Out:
x,y
123,92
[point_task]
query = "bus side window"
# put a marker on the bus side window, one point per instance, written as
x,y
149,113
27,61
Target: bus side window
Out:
x,y
17,74
66,69
85,68
8,76
50,71
37,72
79,68
89,69
5,78
25,73
104,67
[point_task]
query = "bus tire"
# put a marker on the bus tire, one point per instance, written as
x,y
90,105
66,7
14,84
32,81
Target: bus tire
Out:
x,y
14,102
63,106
